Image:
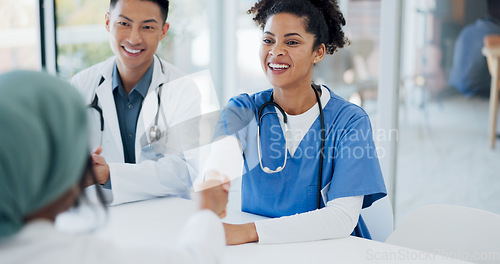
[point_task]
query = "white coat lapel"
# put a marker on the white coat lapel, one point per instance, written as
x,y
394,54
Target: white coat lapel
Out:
x,y
147,114
150,106
148,111
107,103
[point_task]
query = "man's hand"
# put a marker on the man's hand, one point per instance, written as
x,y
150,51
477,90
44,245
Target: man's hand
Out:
x,y
240,234
101,168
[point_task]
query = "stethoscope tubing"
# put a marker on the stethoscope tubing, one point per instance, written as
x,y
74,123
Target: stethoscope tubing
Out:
x,y
259,150
322,149
285,120
154,132
95,105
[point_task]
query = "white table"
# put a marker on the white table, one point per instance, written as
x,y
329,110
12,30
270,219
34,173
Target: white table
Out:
x,y
158,222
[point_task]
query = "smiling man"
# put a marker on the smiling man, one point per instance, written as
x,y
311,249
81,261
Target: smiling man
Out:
x,y
133,96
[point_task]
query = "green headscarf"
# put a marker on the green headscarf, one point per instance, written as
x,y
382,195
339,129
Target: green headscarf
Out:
x,y
43,144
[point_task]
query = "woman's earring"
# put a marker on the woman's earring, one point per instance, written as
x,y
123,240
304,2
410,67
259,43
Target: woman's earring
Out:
x,y
314,61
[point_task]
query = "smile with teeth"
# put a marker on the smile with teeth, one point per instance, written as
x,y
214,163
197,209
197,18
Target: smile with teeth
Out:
x,y
276,66
132,50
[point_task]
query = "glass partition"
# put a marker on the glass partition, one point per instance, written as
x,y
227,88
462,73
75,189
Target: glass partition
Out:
x,y
444,155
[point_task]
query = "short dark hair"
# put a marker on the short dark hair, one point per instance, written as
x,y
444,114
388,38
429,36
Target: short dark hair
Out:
x,y
163,4
494,8
322,18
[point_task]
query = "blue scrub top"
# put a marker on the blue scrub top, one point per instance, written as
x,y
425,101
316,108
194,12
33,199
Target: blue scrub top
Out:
x,y
350,164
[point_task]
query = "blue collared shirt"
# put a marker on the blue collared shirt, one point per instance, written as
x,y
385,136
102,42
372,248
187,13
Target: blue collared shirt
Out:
x,y
128,107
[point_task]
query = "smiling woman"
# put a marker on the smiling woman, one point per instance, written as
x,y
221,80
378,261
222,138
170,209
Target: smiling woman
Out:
x,y
287,60
310,197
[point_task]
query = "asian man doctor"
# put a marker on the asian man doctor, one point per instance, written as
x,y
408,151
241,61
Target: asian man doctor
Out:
x,y
135,97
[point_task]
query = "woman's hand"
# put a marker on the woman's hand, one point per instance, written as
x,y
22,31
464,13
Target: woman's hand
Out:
x,y
215,190
240,234
215,199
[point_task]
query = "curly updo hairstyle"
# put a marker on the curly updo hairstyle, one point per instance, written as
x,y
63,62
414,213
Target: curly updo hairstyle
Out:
x,y
322,18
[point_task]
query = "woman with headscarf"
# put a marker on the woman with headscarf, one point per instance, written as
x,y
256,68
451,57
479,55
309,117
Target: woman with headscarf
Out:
x,y
44,166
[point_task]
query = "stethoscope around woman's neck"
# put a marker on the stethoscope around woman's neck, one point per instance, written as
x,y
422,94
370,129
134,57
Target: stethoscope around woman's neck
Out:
x,y
316,89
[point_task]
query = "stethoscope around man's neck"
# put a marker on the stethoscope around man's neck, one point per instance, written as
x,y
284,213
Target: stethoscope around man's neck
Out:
x,y
154,131
271,102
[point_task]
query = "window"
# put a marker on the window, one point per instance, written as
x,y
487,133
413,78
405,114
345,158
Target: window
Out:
x,y
20,42
82,39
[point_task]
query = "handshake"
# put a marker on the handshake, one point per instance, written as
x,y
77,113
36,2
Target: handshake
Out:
x,y
213,193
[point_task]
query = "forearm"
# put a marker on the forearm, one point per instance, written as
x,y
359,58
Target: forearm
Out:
x,y
149,179
241,233
202,239
336,220
225,157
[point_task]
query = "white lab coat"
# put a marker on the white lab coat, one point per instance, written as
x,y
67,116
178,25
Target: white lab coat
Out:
x,y
180,101
202,241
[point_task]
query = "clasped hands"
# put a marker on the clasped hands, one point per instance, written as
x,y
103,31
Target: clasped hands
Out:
x,y
214,197
235,234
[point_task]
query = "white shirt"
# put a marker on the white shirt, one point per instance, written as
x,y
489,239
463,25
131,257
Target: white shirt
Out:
x,y
337,219
202,241
298,125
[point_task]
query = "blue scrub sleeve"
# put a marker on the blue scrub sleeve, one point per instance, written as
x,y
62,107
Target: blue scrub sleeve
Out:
x,y
356,169
234,118
238,119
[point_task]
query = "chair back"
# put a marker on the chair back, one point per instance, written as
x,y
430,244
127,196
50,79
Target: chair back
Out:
x,y
491,44
453,231
379,219
491,50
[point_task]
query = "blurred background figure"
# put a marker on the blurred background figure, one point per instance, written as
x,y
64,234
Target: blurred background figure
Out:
x,y
469,73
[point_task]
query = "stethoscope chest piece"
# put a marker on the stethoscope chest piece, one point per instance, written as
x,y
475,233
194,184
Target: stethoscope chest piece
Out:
x,y
154,133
